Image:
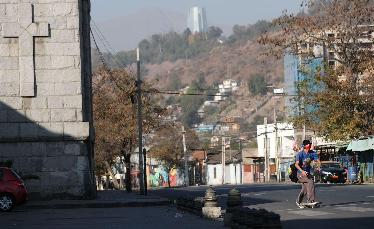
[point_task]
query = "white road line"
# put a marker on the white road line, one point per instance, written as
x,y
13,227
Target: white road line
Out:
x,y
366,203
259,194
370,196
312,213
355,209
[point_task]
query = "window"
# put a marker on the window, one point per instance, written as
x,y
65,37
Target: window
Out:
x,y
1,174
215,172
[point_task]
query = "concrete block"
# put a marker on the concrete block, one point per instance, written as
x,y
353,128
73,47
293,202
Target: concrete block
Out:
x,y
9,130
42,10
9,63
44,89
55,102
54,149
3,115
10,89
40,115
68,88
82,163
72,22
78,131
73,149
28,130
73,102
10,103
35,103
63,115
16,116
61,62
62,9
9,76
54,164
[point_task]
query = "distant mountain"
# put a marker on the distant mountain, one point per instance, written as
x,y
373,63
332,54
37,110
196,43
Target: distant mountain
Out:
x,y
124,33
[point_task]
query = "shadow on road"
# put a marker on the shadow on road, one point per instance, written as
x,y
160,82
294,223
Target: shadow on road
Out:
x,y
362,223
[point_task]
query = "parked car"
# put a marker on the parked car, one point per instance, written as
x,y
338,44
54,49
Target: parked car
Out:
x,y
12,189
330,172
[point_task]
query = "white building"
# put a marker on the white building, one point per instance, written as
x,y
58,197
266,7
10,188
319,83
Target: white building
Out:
x,y
196,20
285,134
233,168
280,142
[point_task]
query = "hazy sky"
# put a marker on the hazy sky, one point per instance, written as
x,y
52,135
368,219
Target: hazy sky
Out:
x,y
227,12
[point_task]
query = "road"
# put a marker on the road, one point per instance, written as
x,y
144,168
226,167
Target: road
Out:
x,y
101,218
344,206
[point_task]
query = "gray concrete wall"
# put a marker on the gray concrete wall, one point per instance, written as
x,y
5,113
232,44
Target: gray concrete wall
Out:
x,y
46,107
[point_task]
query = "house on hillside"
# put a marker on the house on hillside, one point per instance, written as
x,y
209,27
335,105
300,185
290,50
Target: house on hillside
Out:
x,y
233,167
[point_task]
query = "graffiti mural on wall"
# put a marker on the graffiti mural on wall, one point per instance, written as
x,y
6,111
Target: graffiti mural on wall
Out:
x,y
158,177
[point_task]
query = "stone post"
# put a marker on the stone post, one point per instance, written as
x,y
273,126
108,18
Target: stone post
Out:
x,y
211,209
234,202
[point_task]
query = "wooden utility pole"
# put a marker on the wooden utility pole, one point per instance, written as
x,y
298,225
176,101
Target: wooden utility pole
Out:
x,y
140,122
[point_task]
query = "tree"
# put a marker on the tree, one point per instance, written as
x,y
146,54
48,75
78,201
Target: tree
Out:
x,y
168,146
336,100
115,117
257,85
214,32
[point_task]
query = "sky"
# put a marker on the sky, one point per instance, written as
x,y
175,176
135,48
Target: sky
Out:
x,y
227,12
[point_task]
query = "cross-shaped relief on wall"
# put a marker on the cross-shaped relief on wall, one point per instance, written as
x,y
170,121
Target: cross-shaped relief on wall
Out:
x,y
26,30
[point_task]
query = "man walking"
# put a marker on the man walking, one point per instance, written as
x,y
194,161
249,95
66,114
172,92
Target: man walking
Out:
x,y
303,164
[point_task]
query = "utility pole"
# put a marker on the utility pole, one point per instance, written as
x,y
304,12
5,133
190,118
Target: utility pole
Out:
x,y
277,169
186,176
223,159
140,123
266,150
145,171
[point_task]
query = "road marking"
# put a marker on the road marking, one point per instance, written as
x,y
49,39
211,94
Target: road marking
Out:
x,y
352,204
366,203
356,209
259,194
304,212
370,196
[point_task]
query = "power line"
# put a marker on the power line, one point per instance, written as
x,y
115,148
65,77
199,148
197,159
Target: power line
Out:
x,y
181,93
109,48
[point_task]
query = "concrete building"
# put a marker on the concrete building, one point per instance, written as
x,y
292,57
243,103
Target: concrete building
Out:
x,y
280,141
233,168
45,95
197,20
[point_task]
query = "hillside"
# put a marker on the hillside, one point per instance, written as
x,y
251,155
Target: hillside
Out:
x,y
239,61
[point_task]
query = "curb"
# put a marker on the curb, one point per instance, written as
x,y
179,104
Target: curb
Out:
x,y
98,204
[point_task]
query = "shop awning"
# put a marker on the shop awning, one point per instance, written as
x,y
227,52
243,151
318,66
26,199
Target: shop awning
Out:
x,y
361,144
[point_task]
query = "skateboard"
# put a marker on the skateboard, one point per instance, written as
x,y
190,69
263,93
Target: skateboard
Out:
x,y
307,205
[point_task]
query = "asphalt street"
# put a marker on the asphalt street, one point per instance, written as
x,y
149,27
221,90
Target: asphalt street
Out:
x,y
104,218
344,206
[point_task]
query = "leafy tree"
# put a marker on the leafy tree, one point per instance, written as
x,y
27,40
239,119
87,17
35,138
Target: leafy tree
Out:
x,y
115,117
168,146
257,85
214,32
343,105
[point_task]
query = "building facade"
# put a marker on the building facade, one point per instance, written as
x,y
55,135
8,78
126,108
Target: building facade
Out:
x,y
197,20
46,127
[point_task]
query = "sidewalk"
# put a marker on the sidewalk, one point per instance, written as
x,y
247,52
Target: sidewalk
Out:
x,y
105,199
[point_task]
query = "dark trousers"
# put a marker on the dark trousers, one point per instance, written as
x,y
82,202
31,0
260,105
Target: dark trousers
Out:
x,y
307,189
